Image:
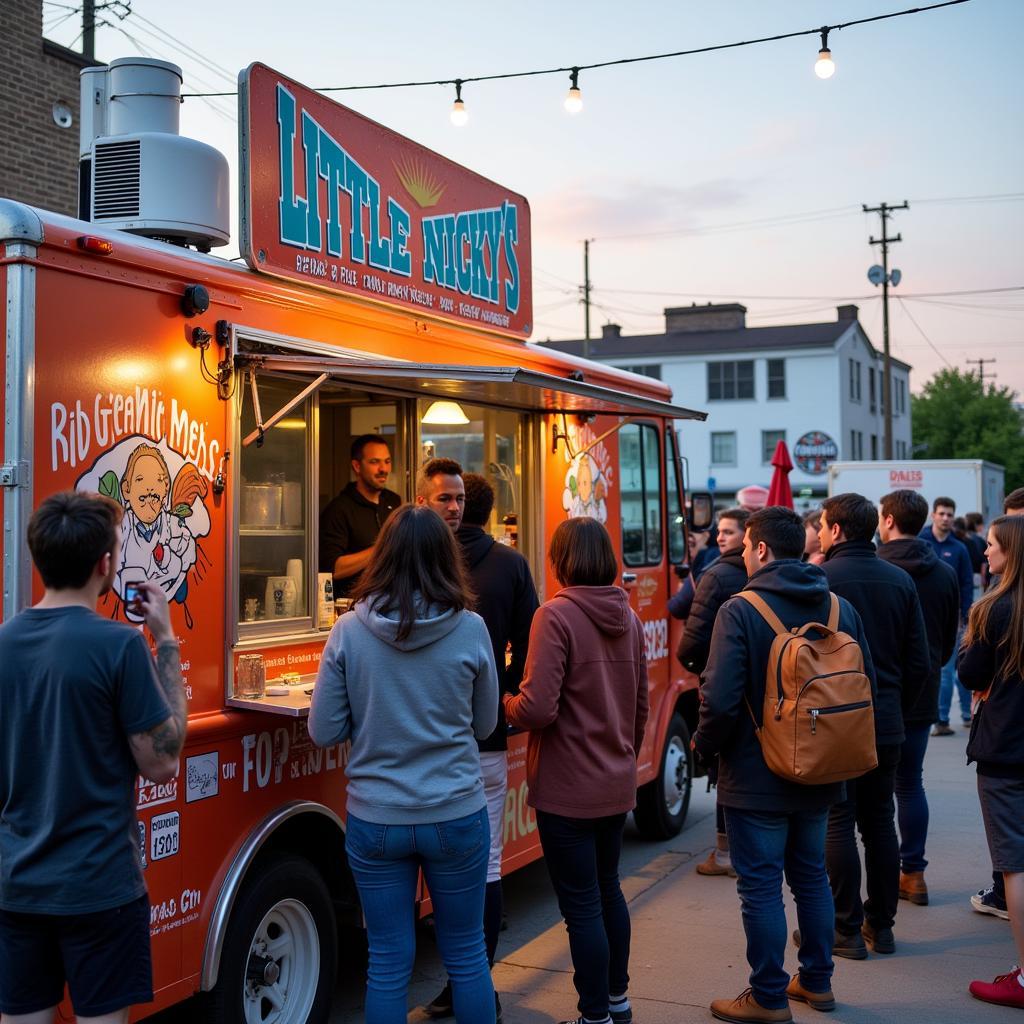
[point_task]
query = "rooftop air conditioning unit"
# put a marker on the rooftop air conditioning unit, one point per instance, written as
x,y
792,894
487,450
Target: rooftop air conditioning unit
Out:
x,y
136,173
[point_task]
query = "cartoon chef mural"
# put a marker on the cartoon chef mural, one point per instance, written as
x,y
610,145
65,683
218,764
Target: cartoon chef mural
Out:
x,y
163,516
584,490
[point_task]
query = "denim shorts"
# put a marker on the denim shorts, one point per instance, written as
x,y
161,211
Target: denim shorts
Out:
x,y
104,958
1002,809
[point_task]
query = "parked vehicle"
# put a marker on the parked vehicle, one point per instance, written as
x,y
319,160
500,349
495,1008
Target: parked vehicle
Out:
x,y
217,402
975,485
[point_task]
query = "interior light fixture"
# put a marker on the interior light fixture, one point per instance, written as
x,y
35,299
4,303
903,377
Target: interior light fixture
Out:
x,y
458,115
824,66
444,413
574,98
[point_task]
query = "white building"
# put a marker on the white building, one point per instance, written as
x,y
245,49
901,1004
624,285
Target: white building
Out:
x,y
818,387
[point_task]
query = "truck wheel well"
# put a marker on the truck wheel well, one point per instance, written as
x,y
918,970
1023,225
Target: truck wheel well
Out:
x,y
319,841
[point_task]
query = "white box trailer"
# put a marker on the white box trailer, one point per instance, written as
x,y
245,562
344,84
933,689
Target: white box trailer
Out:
x,y
974,484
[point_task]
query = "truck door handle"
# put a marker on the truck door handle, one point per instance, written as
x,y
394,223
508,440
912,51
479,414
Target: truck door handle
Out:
x,y
628,578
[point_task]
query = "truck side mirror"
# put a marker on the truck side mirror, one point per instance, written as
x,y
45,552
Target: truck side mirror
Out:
x,y
702,510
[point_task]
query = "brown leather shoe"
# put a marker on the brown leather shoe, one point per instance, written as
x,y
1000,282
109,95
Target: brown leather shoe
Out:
x,y
913,887
823,1001
745,1009
710,866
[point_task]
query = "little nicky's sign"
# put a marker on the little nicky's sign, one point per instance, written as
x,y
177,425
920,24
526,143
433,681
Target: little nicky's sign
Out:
x,y
334,199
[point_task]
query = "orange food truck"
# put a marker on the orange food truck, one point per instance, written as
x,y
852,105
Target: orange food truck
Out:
x,y
217,402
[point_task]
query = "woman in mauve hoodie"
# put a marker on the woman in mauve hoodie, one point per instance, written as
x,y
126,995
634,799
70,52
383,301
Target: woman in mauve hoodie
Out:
x,y
584,699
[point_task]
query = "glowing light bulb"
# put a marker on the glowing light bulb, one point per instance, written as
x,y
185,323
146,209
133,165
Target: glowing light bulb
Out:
x,y
824,66
574,98
458,115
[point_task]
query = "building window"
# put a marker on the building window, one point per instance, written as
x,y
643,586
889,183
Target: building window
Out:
x,y
730,380
874,447
856,444
776,378
644,369
871,388
723,448
855,368
769,439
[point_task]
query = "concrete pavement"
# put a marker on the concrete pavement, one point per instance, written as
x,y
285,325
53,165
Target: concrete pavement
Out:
x,y
688,945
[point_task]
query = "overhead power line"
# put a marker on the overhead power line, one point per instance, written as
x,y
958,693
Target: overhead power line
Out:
x,y
823,31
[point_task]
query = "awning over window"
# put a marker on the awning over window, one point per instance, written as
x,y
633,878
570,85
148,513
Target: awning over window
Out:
x,y
509,387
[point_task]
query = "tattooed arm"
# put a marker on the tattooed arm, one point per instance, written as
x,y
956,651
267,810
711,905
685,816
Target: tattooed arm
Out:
x,y
156,750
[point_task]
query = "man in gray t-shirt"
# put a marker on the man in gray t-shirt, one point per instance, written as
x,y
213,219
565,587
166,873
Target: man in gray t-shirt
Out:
x,y
82,712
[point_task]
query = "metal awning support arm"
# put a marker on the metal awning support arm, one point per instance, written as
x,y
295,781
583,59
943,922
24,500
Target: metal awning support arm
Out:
x,y
262,427
563,435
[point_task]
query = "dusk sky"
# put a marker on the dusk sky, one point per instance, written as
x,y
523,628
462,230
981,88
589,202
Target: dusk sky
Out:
x,y
728,176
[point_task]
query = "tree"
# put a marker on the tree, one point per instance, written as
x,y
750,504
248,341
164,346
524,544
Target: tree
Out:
x,y
957,417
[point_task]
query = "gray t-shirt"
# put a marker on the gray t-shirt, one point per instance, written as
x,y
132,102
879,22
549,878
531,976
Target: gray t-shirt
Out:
x,y
73,687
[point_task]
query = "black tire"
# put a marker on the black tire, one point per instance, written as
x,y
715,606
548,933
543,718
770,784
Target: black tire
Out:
x,y
287,903
662,803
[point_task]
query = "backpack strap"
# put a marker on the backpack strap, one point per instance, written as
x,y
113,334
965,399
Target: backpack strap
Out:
x,y
763,609
833,613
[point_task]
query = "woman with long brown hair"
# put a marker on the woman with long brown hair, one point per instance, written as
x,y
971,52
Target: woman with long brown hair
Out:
x,y
408,675
991,663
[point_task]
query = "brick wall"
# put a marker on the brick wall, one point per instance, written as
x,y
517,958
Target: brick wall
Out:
x,y
38,159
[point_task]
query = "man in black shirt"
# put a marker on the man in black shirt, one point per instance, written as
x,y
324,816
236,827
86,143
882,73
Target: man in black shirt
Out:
x,y
350,523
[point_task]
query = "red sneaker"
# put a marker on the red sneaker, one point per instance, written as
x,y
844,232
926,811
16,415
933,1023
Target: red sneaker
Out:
x,y
1006,990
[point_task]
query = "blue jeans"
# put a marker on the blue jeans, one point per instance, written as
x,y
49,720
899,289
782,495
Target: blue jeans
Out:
x,y
582,855
765,846
947,681
386,861
911,802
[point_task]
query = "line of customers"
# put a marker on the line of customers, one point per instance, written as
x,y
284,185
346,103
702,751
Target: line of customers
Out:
x,y
903,605
417,681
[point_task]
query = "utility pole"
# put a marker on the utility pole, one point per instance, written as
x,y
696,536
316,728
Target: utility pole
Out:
x,y
982,375
885,210
586,297
89,29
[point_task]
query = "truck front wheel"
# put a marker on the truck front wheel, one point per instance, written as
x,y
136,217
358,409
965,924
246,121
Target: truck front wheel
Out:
x,y
662,803
280,956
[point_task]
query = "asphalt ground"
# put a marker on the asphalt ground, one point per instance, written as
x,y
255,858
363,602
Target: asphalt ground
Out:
x,y
688,945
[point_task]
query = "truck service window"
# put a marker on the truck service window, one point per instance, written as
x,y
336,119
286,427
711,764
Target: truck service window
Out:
x,y
274,537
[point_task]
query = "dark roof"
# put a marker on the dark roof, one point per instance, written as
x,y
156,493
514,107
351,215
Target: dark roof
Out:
x,y
694,343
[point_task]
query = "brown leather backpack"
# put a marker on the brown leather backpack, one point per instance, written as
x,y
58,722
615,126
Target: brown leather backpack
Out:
x,y
819,721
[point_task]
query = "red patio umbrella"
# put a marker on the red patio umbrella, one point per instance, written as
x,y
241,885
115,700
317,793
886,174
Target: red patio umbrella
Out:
x,y
779,491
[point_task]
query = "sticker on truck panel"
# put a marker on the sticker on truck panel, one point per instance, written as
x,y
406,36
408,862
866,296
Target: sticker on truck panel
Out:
x,y
165,515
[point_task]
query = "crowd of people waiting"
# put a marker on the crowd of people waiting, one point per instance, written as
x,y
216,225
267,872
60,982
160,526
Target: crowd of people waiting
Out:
x,y
445,646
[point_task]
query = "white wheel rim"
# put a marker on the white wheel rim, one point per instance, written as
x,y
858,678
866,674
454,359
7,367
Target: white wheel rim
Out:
x,y
675,776
287,935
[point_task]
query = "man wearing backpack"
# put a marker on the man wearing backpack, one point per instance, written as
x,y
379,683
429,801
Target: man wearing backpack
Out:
x,y
776,826
886,599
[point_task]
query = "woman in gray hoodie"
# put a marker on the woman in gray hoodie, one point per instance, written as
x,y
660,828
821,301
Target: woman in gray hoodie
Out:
x,y
408,676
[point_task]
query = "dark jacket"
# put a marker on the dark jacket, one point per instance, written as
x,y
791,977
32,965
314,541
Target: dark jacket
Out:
x,y
939,594
680,603
584,699
997,733
725,577
955,554
506,600
733,684
886,600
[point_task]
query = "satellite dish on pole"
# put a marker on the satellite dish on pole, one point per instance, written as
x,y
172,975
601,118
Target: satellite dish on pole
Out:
x,y
895,277
876,274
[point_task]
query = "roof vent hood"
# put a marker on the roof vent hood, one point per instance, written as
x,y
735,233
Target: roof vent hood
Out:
x,y
136,173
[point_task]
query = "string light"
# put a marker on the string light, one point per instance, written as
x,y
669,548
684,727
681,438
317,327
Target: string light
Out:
x,y
824,66
458,115
574,99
